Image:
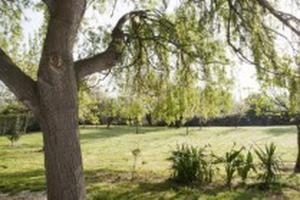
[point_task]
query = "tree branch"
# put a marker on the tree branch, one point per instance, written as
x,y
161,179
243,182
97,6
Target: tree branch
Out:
x,y
285,18
112,55
17,81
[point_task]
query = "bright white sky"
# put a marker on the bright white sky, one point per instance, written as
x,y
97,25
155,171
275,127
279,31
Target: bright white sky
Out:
x,y
245,82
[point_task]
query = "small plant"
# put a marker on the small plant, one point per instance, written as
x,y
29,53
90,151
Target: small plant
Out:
x,y
246,165
269,165
191,164
19,127
232,161
13,137
136,153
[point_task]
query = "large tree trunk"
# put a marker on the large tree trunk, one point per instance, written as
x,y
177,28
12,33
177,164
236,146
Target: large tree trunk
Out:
x,y
63,163
53,97
297,165
58,106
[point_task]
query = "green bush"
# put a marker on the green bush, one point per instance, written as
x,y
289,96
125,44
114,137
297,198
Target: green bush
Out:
x,y
191,164
245,166
269,165
13,126
232,162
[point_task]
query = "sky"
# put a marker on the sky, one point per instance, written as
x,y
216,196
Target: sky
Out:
x,y
245,78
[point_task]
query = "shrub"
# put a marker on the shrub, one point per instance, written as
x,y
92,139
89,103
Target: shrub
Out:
x,y
14,137
232,162
246,165
191,164
13,126
269,165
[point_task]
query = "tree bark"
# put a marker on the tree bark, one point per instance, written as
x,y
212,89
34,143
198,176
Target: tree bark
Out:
x,y
63,162
58,106
297,165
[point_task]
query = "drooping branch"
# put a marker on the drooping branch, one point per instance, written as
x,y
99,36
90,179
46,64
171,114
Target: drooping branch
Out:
x,y
286,18
17,81
113,54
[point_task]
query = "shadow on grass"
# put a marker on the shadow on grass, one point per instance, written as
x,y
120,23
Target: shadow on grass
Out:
x,y
281,131
102,132
108,184
22,181
229,131
168,190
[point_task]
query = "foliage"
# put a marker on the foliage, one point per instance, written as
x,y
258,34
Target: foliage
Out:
x,y
14,137
176,104
237,162
232,162
215,100
133,110
191,164
88,107
14,108
246,165
13,126
110,108
269,164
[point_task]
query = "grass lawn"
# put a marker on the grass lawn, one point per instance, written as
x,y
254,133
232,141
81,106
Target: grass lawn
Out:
x,y
108,162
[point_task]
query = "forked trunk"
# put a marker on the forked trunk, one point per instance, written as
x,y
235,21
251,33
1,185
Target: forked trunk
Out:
x,y
297,165
58,110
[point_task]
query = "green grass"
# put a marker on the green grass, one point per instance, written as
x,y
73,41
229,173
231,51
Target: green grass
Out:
x,y
108,161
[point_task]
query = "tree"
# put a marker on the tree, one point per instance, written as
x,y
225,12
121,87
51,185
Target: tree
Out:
x,y
109,109
19,127
214,101
175,105
138,34
275,101
239,110
88,107
134,111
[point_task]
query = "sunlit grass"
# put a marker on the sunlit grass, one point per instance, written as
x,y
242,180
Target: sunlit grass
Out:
x,y
108,161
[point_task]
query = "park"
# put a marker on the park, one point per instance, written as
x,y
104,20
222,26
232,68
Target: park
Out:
x,y
159,99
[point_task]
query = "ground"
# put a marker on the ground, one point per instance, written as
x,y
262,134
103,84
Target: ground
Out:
x,y
108,162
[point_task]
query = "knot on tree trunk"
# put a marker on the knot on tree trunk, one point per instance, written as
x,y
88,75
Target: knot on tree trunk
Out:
x,y
55,61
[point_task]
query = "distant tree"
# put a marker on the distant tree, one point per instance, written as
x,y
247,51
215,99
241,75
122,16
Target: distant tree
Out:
x,y
239,110
20,123
88,107
275,101
214,101
110,109
176,104
133,110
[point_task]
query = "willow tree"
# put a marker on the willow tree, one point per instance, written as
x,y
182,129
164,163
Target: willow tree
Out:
x,y
139,36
